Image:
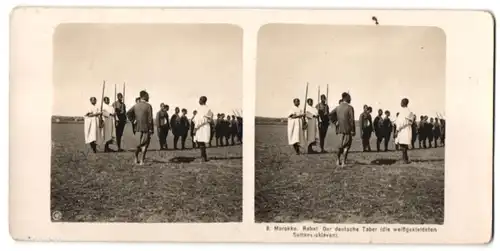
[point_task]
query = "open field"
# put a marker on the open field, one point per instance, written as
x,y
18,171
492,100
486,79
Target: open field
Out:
x,y
172,186
372,188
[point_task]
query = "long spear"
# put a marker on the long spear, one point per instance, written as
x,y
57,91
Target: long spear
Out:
x,y
304,123
319,90
123,92
115,95
101,121
123,95
327,91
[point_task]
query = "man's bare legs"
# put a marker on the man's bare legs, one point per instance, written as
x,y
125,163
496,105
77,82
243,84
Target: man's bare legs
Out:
x,y
144,150
136,154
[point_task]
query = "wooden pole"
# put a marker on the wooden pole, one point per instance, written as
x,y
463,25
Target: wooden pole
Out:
x,y
123,92
101,121
124,100
304,123
327,91
319,94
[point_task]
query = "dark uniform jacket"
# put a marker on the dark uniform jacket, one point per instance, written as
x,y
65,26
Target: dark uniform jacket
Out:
x,y
142,113
343,115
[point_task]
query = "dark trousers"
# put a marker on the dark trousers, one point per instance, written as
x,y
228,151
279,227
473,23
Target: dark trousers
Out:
x,y
365,140
422,140
183,140
436,137
162,136
430,139
323,129
413,140
176,140
212,134
233,135
379,141
227,139
120,127
387,139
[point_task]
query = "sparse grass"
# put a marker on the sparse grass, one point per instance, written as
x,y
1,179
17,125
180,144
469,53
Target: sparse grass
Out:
x,y
291,188
108,187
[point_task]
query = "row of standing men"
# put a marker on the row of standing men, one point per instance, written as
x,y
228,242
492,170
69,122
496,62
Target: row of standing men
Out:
x,y
302,127
383,126
224,128
110,124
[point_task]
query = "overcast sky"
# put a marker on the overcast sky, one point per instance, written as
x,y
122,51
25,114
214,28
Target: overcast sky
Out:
x,y
378,65
176,64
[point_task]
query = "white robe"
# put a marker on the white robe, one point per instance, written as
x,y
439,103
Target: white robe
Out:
x,y
295,132
91,126
202,124
109,130
403,127
311,134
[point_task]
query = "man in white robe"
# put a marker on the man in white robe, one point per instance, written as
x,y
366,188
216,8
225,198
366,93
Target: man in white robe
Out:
x,y
311,132
109,129
91,125
404,129
295,131
202,128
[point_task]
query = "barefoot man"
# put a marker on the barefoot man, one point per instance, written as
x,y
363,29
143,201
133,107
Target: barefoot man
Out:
x,y
121,119
311,133
403,129
295,132
323,121
91,125
344,116
109,129
142,113
202,128
134,123
162,126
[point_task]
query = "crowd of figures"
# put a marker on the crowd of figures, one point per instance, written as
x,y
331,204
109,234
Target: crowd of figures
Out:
x,y
106,125
425,130
306,126
227,130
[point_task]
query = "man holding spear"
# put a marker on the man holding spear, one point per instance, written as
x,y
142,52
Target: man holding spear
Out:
x,y
323,121
121,117
297,124
101,120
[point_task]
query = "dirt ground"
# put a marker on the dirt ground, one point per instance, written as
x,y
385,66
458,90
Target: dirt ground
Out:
x,y
173,186
372,188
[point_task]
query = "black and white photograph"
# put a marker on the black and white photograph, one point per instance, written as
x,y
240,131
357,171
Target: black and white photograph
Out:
x,y
350,124
147,123
349,116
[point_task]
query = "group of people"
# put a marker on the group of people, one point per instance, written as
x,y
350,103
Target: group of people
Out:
x,y
106,124
306,125
228,128
383,126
